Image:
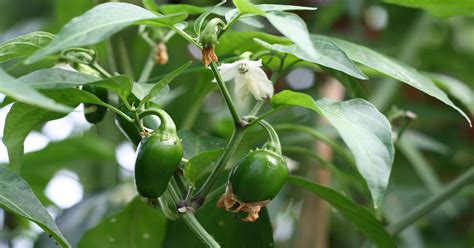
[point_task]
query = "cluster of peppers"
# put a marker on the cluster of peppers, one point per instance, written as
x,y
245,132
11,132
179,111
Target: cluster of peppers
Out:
x,y
253,182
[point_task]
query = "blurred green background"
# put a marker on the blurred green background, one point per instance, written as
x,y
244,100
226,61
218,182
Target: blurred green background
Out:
x,y
95,161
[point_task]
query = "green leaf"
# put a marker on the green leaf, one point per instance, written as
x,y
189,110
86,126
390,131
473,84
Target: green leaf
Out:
x,y
232,13
294,28
194,144
137,225
201,164
395,69
17,197
363,128
25,45
368,135
157,87
287,98
23,93
328,55
225,228
56,79
100,23
439,8
247,7
360,217
151,5
22,118
121,85
455,88
200,20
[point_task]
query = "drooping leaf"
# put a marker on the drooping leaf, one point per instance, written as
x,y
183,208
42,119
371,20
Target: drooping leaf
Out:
x,y
247,7
368,135
363,128
439,8
100,23
157,87
56,79
24,46
328,55
16,89
22,118
194,144
17,197
201,164
360,217
121,85
294,28
227,230
200,20
137,225
455,88
395,69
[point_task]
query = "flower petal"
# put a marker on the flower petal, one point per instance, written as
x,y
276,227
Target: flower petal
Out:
x,y
258,84
240,90
229,71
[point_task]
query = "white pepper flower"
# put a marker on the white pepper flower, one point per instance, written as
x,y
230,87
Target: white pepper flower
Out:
x,y
249,78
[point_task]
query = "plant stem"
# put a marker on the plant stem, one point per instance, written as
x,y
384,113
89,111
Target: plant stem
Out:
x,y
147,68
187,37
434,202
226,95
200,196
190,219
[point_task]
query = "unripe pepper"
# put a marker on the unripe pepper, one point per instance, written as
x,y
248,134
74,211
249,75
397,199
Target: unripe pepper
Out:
x,y
256,179
158,156
92,112
95,113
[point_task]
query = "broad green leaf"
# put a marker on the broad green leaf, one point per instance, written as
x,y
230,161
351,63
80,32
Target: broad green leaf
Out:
x,y
455,88
201,164
228,230
157,87
100,23
176,8
64,79
363,128
368,135
294,28
328,55
395,69
194,144
440,8
200,20
239,42
24,46
56,79
16,89
360,217
23,118
137,225
247,7
289,98
17,197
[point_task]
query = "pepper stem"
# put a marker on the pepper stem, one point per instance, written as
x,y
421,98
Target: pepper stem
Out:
x,y
167,125
273,142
